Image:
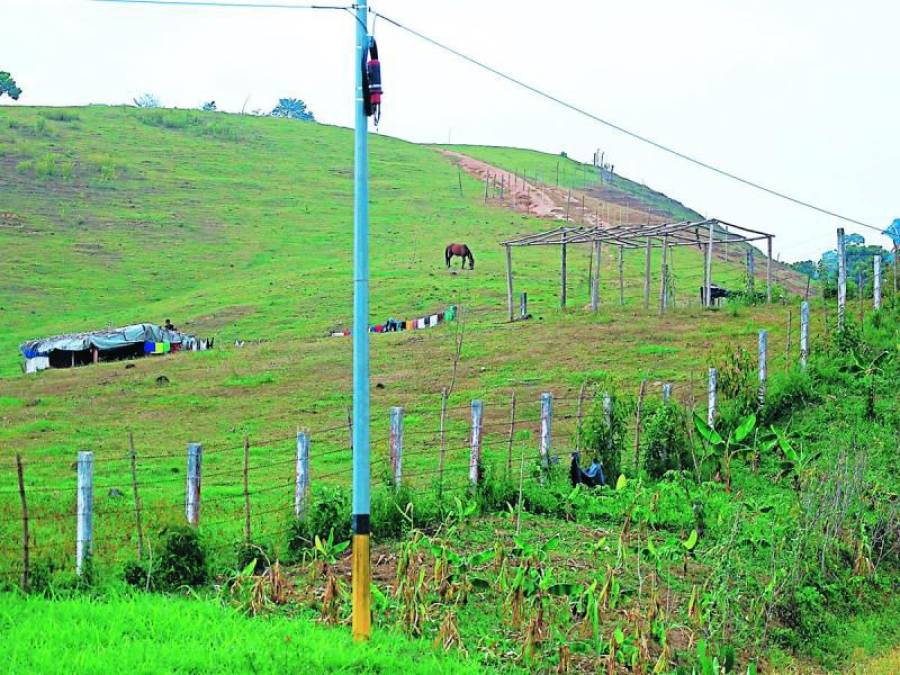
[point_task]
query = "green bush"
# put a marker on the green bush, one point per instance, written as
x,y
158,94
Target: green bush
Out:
x,y
664,441
327,509
604,438
182,561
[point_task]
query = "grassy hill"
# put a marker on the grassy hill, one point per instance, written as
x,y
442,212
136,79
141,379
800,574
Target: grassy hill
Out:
x,y
241,228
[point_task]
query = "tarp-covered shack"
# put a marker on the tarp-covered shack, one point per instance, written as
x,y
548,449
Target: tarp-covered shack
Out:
x,y
113,344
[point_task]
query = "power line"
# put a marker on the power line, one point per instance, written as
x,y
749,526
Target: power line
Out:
x,y
239,5
612,125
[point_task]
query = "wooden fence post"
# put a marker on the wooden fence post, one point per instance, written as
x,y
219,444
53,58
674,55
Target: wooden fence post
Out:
x,y
509,281
579,417
595,277
621,275
647,256
751,272
84,539
562,273
26,559
790,336
194,471
637,429
842,277
138,521
512,431
546,427
664,277
707,300
763,366
804,333
523,305
711,397
769,270
443,452
396,444
246,476
666,393
301,487
607,408
485,189
876,282
475,451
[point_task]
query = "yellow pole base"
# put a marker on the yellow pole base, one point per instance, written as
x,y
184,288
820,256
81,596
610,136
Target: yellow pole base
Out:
x,y
361,583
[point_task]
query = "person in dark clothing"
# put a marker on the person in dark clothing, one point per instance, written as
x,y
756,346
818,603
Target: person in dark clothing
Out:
x,y
169,325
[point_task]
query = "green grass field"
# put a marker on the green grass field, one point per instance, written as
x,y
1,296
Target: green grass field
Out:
x,y
240,228
151,634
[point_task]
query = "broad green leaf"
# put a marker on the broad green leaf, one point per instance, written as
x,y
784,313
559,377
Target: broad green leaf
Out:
x,y
745,427
652,548
480,584
691,541
620,636
561,590
340,547
249,568
481,558
621,482
552,544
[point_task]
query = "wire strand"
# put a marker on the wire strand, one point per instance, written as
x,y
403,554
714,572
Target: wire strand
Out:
x,y
623,130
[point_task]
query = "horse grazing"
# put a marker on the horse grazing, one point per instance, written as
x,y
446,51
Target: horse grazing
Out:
x,y
462,251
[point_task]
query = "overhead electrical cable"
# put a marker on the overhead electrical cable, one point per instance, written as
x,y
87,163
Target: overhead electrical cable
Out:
x,y
238,5
623,130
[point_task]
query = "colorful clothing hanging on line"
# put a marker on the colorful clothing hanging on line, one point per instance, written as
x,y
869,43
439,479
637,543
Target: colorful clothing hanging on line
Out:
x,y
393,325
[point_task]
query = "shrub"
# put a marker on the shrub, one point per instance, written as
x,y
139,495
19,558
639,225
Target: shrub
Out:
x,y
181,562
60,115
326,510
664,442
603,436
246,552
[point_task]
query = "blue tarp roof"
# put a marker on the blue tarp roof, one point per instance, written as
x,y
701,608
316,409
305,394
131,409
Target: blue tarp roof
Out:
x,y
111,338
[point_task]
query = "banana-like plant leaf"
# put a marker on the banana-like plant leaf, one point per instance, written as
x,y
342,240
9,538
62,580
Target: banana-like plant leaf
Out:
x,y
691,541
745,427
621,482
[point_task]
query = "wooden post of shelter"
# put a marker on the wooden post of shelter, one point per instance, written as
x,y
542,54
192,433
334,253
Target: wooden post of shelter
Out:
x,y
621,275
751,271
562,275
666,392
523,305
769,270
595,276
707,299
647,257
664,277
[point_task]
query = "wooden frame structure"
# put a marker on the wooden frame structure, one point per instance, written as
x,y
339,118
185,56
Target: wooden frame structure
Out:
x,y
704,234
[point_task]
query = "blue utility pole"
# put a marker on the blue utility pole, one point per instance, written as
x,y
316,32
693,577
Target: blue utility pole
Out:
x,y
361,572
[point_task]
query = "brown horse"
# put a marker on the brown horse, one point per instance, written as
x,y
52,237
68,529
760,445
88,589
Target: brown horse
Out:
x,y
462,251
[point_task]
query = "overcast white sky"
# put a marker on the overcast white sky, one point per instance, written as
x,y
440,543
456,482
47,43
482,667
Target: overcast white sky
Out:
x,y
802,96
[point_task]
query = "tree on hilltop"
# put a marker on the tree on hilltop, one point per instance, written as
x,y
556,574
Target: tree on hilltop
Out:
x,y
8,86
292,108
147,101
209,106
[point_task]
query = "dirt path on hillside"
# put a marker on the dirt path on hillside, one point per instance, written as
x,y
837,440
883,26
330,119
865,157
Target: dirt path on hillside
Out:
x,y
594,207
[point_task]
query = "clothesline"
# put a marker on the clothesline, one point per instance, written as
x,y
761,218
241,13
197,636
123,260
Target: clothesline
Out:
x,y
394,325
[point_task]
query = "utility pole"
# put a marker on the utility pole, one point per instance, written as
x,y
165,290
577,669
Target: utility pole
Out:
x,y
361,577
